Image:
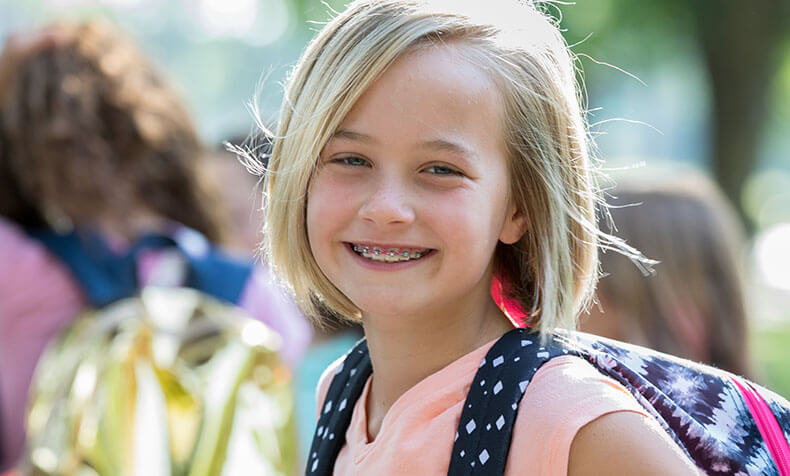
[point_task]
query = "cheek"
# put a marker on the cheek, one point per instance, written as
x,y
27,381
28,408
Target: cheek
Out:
x,y
318,198
472,220
319,233
329,204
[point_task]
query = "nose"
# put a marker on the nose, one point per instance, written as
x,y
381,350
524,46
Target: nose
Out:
x,y
388,204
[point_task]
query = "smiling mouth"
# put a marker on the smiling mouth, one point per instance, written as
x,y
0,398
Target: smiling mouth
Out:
x,y
389,255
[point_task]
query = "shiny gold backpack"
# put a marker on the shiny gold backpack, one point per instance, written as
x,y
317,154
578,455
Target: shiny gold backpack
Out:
x,y
169,383
159,381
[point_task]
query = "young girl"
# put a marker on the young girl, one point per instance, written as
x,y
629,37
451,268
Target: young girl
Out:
x,y
423,154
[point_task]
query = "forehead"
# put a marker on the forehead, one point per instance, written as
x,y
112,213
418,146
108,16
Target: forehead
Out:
x,y
431,92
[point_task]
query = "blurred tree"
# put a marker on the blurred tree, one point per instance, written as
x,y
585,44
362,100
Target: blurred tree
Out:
x,y
742,46
313,11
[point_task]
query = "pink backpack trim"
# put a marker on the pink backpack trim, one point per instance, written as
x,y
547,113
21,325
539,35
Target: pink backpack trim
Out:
x,y
767,425
500,290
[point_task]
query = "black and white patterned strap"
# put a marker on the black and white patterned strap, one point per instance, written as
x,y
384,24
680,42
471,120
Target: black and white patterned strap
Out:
x,y
344,391
691,401
484,431
482,440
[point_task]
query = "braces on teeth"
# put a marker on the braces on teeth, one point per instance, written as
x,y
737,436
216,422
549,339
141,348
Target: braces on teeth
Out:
x,y
391,256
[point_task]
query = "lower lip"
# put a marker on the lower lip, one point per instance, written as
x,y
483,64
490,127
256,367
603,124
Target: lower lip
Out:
x,y
382,266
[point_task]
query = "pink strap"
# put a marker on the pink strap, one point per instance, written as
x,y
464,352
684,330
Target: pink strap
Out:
x,y
500,290
767,425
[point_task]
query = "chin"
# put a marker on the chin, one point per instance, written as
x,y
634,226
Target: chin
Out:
x,y
385,304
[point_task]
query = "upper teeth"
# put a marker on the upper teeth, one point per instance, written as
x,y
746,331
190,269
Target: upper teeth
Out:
x,y
391,255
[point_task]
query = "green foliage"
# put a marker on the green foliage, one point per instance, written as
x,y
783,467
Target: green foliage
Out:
x,y
318,11
771,355
637,33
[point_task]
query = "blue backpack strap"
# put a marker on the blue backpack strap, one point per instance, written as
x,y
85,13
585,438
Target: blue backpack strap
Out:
x,y
210,269
103,276
106,277
482,440
344,391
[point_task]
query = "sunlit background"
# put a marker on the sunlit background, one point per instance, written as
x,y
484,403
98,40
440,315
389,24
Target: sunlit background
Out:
x,y
671,83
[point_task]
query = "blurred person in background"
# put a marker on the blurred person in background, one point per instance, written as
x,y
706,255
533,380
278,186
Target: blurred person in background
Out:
x,y
93,139
692,306
331,341
243,200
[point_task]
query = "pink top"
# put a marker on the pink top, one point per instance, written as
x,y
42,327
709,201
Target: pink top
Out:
x,y
417,433
39,297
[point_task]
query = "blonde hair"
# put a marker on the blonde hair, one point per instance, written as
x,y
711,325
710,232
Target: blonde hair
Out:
x,y
552,270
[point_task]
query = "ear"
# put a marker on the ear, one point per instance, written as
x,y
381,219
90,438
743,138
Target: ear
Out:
x,y
515,226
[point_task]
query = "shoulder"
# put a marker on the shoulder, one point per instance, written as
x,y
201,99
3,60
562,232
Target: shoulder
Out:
x,y
14,243
626,443
265,300
325,381
572,386
564,410
565,394
37,292
31,265
261,285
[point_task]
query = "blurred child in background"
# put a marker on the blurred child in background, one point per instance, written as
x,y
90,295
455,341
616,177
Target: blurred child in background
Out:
x,y
693,306
331,340
92,139
242,200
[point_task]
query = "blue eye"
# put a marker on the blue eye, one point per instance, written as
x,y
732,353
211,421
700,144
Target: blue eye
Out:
x,y
352,161
443,170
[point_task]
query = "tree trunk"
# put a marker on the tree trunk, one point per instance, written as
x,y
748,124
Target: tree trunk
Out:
x,y
741,43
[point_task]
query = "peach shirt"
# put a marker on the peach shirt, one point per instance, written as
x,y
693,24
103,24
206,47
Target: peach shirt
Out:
x,y
417,433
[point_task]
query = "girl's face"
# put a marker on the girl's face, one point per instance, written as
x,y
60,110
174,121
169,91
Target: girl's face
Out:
x,y
411,194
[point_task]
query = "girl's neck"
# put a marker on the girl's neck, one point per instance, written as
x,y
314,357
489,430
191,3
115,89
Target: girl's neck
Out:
x,y
407,351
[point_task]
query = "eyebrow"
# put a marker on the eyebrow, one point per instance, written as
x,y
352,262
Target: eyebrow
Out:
x,y
440,145
353,136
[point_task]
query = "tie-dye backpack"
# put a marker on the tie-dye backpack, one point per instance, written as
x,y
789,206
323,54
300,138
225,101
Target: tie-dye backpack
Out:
x,y
724,423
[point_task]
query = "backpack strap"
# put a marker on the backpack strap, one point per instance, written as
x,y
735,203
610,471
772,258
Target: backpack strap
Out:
x,y
101,275
344,390
699,406
106,276
489,411
482,440
210,270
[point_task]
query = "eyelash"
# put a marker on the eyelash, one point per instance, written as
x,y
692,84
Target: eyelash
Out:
x,y
449,170
354,161
359,161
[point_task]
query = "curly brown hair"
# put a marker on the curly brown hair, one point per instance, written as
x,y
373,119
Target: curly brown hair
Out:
x,y
90,130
